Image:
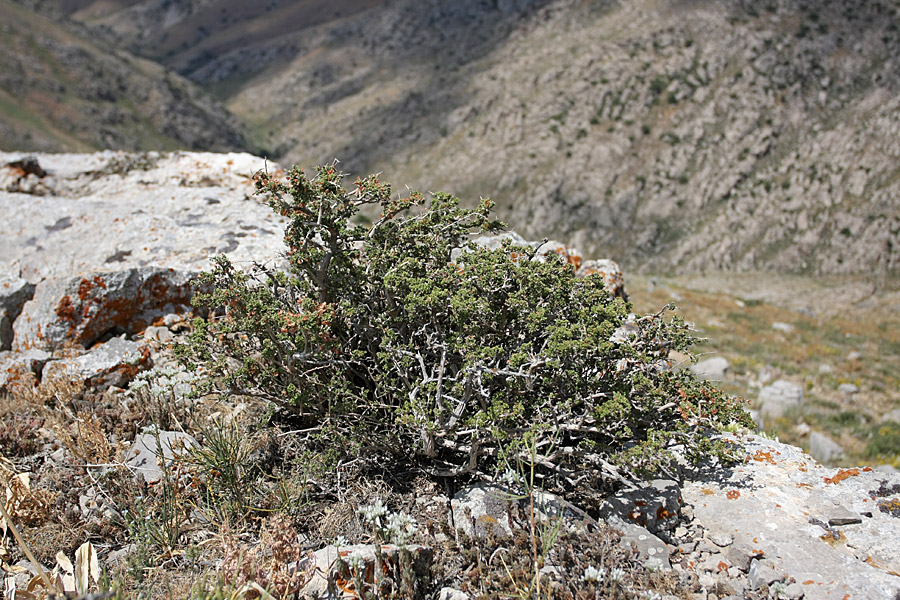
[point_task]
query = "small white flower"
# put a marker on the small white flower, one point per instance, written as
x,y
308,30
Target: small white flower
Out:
x,y
593,574
509,477
400,527
372,513
356,562
340,541
617,574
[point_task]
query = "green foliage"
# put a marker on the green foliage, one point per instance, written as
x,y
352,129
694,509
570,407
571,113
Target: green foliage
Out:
x,y
229,472
403,334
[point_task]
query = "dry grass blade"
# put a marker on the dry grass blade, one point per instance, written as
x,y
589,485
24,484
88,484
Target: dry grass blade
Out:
x,y
25,548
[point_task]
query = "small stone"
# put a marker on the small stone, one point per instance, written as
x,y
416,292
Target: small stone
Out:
x,y
551,571
841,516
58,456
848,388
823,448
893,416
449,593
158,334
482,508
713,563
783,327
740,556
711,369
143,456
762,574
653,551
802,429
721,539
793,591
172,319
854,355
776,399
117,557
739,585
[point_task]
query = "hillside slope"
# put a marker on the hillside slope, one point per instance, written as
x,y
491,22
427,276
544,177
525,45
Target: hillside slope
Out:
x,y
62,89
668,134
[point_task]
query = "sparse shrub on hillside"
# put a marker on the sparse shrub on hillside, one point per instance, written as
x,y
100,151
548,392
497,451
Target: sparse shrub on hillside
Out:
x,y
403,335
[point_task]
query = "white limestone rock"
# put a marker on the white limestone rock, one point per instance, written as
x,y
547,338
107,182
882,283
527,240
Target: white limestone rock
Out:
x,y
711,369
823,448
82,309
776,399
785,507
113,210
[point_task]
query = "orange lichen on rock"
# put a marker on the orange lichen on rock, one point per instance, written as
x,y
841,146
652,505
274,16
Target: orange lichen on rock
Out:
x,y
762,456
842,475
732,494
66,309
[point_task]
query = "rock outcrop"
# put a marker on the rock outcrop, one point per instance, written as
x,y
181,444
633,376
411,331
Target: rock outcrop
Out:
x,y
86,308
111,211
110,245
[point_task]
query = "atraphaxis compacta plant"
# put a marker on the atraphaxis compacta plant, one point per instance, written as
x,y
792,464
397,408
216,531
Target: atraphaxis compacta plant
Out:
x,y
401,333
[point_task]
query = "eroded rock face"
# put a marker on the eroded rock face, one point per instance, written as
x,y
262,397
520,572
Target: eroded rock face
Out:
x,y
14,293
83,309
114,363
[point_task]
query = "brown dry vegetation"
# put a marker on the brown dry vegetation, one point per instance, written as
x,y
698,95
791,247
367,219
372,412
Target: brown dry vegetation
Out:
x,y
255,496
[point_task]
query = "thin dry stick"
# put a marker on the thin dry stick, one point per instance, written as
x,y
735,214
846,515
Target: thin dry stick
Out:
x,y
25,547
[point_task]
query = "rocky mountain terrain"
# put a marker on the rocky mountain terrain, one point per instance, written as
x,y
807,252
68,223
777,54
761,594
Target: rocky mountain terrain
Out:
x,y
63,88
669,135
96,423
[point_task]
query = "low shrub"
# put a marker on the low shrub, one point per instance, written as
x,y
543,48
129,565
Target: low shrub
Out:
x,y
405,335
